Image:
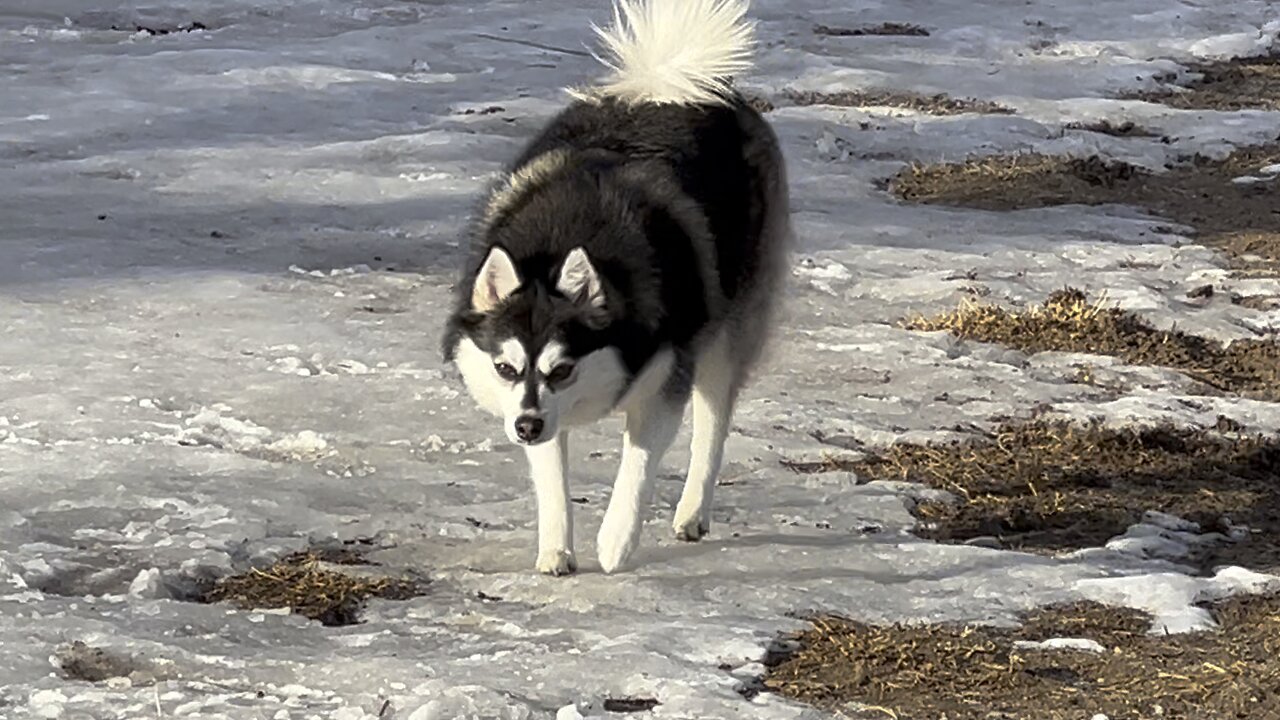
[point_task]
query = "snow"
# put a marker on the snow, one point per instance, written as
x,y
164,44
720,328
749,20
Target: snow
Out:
x,y
224,267
1078,644
1173,599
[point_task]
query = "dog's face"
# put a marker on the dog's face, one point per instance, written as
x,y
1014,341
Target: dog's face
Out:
x,y
536,356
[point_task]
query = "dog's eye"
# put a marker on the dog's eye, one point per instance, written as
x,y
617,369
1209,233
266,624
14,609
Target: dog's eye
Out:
x,y
560,374
506,372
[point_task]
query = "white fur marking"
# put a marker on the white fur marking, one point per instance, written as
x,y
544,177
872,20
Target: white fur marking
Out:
x,y
492,393
548,464
495,282
489,391
598,379
713,396
514,355
673,51
650,430
551,355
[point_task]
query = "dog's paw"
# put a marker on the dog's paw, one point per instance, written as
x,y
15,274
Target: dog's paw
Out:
x,y
690,529
557,563
615,543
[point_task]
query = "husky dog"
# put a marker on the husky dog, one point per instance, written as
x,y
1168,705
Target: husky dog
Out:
x,y
627,261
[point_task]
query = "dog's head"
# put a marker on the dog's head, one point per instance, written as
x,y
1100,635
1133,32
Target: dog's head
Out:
x,y
534,350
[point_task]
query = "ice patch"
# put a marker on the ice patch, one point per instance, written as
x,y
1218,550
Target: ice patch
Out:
x,y
316,366
1172,599
47,703
821,274
152,201
1238,44
1265,323
57,34
360,269
437,444
1080,644
147,586
569,712
211,427
311,77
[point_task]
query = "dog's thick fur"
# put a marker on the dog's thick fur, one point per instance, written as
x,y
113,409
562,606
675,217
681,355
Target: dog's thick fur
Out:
x,y
629,260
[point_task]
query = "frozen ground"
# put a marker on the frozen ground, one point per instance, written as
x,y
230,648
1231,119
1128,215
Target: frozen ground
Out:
x,y
224,258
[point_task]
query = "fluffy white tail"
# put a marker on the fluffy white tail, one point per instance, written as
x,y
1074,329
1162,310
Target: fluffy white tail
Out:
x,y
674,51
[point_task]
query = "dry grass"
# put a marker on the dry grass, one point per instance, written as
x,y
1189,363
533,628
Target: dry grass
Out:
x,y
940,104
1237,84
1242,219
302,583
1015,182
1069,322
919,672
1056,486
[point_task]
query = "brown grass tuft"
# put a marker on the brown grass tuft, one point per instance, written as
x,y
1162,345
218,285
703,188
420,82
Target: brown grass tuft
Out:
x,y
1226,85
302,583
1055,486
966,672
1242,219
1069,322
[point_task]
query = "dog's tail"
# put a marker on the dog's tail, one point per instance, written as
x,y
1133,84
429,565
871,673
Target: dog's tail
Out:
x,y
673,51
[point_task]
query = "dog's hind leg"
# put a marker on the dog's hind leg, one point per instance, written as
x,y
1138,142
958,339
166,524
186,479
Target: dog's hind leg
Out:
x,y
548,464
651,426
714,391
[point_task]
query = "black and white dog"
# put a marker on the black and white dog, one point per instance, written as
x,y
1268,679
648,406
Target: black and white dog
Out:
x,y
629,260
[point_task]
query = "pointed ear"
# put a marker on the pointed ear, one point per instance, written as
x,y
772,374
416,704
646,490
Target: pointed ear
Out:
x,y
579,280
495,282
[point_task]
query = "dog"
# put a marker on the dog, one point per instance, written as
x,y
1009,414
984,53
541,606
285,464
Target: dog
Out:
x,y
628,261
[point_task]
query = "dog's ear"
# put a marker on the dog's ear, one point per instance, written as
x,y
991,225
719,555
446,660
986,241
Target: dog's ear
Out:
x,y
495,282
579,280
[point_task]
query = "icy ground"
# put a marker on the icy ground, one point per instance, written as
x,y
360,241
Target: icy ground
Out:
x,y
224,260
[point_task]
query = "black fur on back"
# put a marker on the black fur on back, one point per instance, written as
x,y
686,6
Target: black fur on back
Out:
x,y
706,147
669,203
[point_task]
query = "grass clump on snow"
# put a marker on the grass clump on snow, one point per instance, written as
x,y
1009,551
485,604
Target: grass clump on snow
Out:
x,y
967,672
304,583
1068,322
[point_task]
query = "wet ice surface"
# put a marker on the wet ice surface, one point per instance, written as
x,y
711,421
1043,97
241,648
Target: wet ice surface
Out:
x,y
224,266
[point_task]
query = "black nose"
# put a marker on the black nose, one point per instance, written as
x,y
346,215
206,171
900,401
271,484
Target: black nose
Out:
x,y
528,428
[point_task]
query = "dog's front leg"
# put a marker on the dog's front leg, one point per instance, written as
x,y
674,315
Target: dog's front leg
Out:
x,y
650,428
548,464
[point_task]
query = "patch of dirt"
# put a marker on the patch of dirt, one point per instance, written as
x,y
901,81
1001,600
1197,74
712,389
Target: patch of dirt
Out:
x,y
490,110
302,583
158,30
967,672
1057,486
1127,128
940,104
94,664
887,28
1240,217
1069,322
1237,84
630,705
